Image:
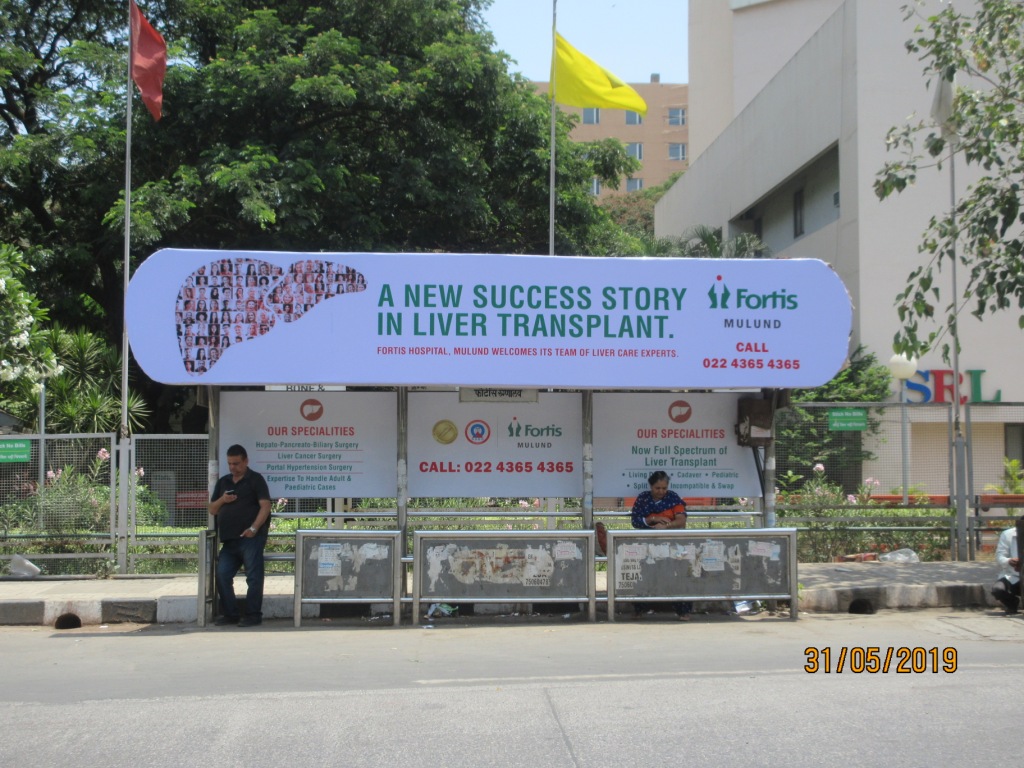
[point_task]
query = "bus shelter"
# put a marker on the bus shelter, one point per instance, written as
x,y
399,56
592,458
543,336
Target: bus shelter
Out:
x,y
359,374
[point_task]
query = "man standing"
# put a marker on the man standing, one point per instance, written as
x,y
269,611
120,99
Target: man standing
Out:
x,y
1007,589
241,504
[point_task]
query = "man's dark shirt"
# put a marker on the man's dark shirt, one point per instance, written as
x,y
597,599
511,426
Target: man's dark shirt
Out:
x,y
236,516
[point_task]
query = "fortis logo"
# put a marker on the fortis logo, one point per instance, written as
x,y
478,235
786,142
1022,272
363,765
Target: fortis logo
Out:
x,y
515,429
720,294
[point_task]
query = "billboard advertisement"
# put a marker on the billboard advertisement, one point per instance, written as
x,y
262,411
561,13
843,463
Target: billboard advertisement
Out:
x,y
690,436
495,449
259,318
322,445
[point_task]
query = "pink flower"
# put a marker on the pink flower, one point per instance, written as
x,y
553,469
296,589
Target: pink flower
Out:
x,y
51,475
819,467
851,498
524,503
140,472
103,454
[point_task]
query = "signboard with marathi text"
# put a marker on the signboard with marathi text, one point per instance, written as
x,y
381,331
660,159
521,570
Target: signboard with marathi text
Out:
x,y
258,318
15,451
848,419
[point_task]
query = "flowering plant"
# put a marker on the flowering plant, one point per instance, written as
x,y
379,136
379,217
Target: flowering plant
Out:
x,y
79,499
829,528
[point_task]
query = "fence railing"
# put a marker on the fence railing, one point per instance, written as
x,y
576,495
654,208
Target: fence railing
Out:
x,y
59,501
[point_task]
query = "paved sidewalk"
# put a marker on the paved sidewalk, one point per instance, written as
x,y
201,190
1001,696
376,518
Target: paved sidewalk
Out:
x,y
825,587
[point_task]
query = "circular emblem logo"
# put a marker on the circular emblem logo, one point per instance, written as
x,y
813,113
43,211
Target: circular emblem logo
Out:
x,y
478,432
445,432
680,411
311,409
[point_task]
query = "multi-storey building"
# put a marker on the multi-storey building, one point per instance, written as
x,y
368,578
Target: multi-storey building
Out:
x,y
793,100
659,139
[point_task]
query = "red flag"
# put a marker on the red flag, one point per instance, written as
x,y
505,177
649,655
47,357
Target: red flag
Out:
x,y
148,61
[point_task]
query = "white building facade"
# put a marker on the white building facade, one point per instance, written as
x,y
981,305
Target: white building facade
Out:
x,y
790,103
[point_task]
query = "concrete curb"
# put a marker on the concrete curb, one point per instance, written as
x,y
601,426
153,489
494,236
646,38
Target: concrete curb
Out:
x,y
181,609
825,588
894,597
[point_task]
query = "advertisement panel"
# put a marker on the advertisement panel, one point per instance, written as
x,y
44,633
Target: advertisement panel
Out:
x,y
233,317
495,449
692,437
323,445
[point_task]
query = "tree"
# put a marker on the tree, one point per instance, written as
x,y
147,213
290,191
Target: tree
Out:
x,y
634,211
803,435
349,125
83,386
25,359
983,47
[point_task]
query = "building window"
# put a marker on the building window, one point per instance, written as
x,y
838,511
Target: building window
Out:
x,y
591,116
798,213
634,185
634,118
676,151
595,186
677,116
635,150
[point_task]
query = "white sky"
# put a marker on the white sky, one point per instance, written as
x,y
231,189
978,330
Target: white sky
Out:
x,y
630,38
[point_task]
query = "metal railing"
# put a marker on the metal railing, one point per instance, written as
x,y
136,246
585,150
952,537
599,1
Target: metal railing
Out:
x,y
59,507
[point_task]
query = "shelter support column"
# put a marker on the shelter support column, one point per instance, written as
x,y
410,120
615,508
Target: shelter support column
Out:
x,y
588,460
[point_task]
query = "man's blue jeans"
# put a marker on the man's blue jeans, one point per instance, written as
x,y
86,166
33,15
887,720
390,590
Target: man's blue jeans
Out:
x,y
233,555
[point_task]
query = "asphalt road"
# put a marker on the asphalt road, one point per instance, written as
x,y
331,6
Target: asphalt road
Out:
x,y
719,690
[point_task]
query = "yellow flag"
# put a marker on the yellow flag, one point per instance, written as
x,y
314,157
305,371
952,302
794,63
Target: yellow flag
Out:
x,y
579,81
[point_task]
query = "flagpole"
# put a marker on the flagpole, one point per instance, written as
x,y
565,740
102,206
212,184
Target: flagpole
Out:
x,y
551,170
124,442
127,235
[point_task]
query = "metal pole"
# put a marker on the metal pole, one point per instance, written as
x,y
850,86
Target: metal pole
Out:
x,y
124,447
588,460
402,490
554,112
41,486
904,440
959,446
124,473
42,435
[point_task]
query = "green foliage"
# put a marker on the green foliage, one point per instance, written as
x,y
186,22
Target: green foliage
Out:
x,y
863,379
822,511
77,499
356,125
802,434
634,211
84,393
1013,478
72,499
982,48
24,357
703,242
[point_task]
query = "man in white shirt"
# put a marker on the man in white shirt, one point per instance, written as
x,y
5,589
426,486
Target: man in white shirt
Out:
x,y
1007,589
